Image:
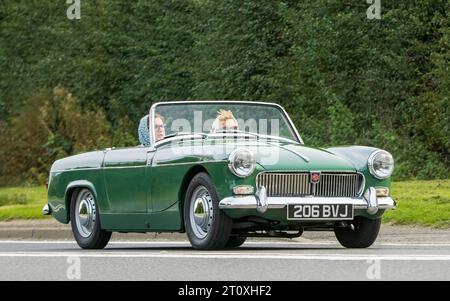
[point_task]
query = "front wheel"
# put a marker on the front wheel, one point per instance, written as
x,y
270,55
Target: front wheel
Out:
x,y
235,241
207,227
363,235
85,221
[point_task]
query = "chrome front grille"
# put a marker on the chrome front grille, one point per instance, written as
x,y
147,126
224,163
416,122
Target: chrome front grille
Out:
x,y
284,184
299,184
338,185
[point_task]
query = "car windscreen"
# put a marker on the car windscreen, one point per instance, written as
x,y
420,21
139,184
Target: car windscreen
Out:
x,y
216,118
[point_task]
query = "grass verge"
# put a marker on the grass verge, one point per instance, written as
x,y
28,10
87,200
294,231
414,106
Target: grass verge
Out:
x,y
22,203
424,203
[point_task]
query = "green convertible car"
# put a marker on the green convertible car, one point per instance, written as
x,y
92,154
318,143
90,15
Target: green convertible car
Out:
x,y
222,171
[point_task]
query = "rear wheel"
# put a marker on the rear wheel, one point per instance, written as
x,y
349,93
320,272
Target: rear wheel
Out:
x,y
207,227
85,221
364,234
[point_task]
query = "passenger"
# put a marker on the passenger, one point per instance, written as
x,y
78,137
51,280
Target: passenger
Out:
x,y
225,121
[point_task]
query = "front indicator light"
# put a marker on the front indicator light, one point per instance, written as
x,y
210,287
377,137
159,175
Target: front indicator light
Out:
x,y
243,190
382,191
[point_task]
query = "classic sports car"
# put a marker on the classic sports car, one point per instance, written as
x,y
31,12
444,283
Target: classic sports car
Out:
x,y
222,172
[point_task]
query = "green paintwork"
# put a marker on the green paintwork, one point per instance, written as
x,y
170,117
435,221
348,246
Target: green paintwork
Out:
x,y
126,176
142,189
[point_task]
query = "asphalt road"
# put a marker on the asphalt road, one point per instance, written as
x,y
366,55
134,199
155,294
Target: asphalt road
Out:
x,y
255,260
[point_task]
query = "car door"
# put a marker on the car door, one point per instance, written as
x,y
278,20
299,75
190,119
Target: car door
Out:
x,y
125,173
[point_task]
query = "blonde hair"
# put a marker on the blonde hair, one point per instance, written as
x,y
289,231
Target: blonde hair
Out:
x,y
221,119
224,115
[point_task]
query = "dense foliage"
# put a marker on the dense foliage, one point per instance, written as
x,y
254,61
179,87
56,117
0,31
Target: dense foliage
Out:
x,y
67,86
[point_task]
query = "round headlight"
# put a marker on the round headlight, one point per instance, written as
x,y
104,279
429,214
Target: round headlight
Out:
x,y
381,164
242,162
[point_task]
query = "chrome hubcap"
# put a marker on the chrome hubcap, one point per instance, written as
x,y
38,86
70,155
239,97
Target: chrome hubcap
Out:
x,y
85,213
201,212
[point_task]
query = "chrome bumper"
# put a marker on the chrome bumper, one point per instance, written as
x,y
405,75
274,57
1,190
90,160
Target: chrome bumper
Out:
x,y
261,202
46,210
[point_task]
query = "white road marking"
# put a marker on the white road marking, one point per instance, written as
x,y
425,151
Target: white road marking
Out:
x,y
159,242
74,242
416,244
241,254
254,256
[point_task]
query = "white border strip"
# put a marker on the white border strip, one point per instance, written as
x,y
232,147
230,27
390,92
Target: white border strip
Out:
x,y
254,256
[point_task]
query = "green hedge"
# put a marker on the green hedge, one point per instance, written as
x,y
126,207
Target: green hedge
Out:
x,y
343,78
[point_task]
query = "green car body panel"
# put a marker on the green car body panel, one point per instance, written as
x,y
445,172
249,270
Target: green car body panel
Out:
x,y
141,189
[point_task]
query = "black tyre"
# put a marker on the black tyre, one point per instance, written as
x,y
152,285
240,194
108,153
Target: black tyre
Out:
x,y
364,234
85,221
207,227
235,241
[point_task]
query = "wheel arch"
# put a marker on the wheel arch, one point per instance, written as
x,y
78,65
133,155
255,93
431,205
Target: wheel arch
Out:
x,y
74,186
190,174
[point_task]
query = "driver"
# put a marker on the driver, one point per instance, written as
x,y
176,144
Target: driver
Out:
x,y
225,121
143,129
160,131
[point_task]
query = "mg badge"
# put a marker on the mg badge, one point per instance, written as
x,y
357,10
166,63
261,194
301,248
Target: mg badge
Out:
x,y
315,177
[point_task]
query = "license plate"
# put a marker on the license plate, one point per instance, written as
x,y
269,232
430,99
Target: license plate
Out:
x,y
320,212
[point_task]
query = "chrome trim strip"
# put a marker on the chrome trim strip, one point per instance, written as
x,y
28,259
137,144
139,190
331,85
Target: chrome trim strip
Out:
x,y
155,164
362,185
75,169
124,167
138,166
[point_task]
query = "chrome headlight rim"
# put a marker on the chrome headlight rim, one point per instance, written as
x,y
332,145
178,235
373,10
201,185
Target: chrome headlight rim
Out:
x,y
370,164
234,155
